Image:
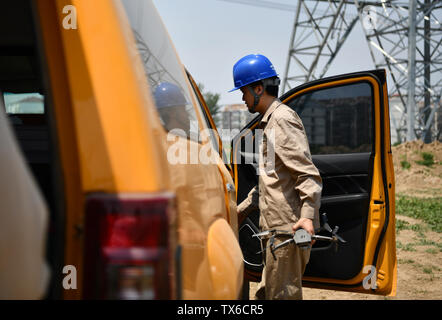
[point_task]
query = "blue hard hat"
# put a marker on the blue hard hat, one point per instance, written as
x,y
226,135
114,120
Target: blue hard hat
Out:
x,y
169,95
252,68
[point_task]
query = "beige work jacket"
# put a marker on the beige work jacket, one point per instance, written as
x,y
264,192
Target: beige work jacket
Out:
x,y
289,185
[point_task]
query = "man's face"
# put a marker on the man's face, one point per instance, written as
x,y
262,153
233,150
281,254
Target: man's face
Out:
x,y
247,97
175,118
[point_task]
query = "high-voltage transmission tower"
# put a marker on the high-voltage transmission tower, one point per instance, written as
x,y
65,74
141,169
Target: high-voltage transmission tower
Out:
x,y
404,37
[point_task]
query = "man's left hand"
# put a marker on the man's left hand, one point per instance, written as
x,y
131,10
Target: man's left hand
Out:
x,y
307,225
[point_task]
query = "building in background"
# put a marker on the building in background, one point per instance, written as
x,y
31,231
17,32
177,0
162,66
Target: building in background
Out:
x,y
232,118
235,116
398,118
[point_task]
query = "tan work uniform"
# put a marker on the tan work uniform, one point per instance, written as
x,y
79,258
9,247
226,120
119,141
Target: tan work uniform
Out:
x,y
289,188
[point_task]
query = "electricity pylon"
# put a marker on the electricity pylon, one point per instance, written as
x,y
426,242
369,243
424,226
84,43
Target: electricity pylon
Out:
x,y
404,37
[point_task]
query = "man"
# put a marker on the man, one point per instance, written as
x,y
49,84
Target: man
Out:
x,y
289,189
171,105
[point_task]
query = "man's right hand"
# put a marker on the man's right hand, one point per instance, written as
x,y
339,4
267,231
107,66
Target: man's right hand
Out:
x,y
306,224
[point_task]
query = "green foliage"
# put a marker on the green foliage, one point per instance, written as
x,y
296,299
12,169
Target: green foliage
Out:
x,y
418,228
428,210
406,247
425,242
212,100
401,225
406,261
405,164
428,270
428,159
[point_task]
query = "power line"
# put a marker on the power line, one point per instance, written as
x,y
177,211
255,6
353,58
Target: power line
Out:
x,y
276,6
265,4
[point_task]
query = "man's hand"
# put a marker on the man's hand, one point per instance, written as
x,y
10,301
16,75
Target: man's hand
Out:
x,y
307,225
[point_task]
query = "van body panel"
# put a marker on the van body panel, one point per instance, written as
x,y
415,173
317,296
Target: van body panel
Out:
x,y
111,141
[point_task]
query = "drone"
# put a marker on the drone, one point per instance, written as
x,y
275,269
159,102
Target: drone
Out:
x,y
302,238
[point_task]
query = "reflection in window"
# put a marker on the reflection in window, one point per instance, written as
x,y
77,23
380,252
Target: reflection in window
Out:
x,y
24,103
337,120
163,70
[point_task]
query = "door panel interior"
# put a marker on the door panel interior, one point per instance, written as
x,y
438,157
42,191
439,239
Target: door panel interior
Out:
x,y
345,199
245,179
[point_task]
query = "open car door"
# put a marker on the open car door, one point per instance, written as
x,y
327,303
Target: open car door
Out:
x,y
346,119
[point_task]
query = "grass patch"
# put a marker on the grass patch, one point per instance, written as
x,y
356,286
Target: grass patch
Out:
x,y
431,251
427,159
406,247
418,228
405,164
428,270
401,225
428,210
425,242
405,261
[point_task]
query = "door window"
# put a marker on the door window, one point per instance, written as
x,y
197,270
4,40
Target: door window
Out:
x,y
23,103
338,119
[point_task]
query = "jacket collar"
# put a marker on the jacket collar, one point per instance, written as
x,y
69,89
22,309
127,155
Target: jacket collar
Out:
x,y
275,104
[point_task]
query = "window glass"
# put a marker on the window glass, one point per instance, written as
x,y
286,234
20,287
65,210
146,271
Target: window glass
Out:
x,y
337,120
163,69
23,103
211,130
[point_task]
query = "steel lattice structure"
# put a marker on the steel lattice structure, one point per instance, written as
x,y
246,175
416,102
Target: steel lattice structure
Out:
x,y
397,32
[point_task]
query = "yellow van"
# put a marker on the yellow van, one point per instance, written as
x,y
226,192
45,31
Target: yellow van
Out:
x,y
130,217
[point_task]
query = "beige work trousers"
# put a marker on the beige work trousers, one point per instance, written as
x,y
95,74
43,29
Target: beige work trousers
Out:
x,y
282,278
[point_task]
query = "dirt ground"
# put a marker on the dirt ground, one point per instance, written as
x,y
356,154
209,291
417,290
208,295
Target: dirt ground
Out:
x,y
418,180
418,252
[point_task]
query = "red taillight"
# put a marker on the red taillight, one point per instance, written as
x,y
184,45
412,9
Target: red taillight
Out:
x,y
127,254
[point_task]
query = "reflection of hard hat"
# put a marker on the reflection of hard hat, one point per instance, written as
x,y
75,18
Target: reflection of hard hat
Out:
x,y
169,95
252,68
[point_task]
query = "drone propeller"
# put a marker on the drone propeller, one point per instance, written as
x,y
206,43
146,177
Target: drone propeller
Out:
x,y
335,234
325,225
262,234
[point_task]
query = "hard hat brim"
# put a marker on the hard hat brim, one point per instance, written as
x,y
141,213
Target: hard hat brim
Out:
x,y
234,89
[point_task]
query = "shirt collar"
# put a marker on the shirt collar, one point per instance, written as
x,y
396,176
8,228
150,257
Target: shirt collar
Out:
x,y
275,104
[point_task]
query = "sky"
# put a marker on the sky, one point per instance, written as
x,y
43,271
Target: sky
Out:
x,y
211,35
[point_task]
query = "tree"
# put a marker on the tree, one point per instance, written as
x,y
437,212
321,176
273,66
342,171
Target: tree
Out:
x,y
212,103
